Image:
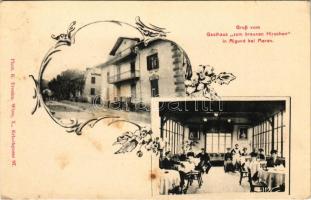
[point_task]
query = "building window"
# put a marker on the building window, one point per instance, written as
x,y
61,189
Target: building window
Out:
x,y
118,91
93,80
173,136
152,62
154,88
92,91
218,142
267,137
278,133
133,66
118,72
263,136
133,90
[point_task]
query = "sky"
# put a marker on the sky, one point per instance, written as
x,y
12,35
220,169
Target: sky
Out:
x,y
92,46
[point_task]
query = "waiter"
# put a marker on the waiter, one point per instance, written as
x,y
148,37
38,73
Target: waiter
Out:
x,y
236,153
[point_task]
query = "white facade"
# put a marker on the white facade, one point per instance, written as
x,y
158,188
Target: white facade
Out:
x,y
92,85
126,77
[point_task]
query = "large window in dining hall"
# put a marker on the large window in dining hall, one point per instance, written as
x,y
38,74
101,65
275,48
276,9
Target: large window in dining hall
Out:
x,y
263,136
173,136
218,142
269,134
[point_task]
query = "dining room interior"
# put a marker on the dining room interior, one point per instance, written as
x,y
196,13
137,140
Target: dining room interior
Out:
x,y
222,146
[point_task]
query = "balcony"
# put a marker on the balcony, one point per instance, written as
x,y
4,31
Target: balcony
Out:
x,y
125,76
122,56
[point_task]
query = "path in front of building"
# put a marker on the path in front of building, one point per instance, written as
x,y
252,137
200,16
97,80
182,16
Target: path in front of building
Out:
x,y
84,111
138,117
217,181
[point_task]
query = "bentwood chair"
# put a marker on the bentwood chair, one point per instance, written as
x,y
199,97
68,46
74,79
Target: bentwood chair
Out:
x,y
243,173
191,176
280,188
261,185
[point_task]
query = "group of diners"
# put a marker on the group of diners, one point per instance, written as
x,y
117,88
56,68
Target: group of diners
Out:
x,y
234,158
266,172
190,166
252,165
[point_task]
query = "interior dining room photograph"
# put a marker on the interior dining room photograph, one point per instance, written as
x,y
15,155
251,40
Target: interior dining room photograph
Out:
x,y
229,145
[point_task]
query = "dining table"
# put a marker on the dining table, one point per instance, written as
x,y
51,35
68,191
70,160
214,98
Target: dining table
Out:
x,y
195,161
186,166
272,176
168,179
263,164
244,159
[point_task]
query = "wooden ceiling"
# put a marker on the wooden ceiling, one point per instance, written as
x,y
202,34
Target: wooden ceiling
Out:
x,y
232,112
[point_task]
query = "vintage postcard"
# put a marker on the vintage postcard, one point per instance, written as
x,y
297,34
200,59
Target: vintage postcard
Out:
x,y
155,100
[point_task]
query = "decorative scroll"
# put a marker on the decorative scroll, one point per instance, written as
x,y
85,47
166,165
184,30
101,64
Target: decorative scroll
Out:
x,y
65,39
150,32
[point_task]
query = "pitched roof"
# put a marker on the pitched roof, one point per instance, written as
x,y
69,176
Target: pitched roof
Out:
x,y
119,42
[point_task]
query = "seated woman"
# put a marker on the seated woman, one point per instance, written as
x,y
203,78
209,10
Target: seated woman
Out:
x,y
168,162
261,155
228,166
243,157
274,160
244,152
186,165
253,166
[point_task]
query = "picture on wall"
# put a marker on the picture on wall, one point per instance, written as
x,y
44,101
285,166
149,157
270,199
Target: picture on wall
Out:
x,y
194,134
242,133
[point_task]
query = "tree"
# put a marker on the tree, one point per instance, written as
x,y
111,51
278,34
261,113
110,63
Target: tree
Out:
x,y
67,85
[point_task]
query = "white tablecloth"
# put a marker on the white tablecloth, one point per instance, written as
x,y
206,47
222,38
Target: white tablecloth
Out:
x,y
196,161
168,179
186,166
273,177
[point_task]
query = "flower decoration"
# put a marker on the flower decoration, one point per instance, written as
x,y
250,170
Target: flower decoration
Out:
x,y
201,82
140,138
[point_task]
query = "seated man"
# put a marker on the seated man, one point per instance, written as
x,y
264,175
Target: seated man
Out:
x,y
167,162
228,161
182,157
261,155
190,153
205,164
274,160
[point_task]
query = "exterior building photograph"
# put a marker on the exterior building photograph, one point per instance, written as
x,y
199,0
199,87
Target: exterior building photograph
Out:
x,y
130,75
242,145
135,72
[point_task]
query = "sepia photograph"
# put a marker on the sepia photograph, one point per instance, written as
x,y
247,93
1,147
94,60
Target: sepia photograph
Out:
x,y
155,100
223,146
123,84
